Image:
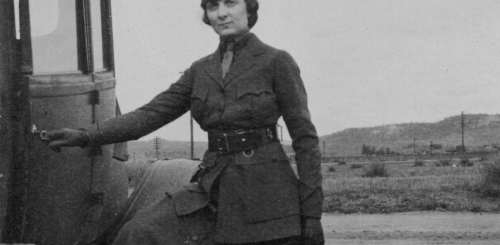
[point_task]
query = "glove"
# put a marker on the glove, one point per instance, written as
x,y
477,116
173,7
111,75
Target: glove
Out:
x,y
67,137
312,232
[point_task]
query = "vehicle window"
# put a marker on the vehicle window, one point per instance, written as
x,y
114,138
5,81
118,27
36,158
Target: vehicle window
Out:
x,y
18,25
97,44
54,36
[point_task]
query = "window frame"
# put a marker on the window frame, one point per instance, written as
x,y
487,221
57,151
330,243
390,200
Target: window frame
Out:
x,y
84,39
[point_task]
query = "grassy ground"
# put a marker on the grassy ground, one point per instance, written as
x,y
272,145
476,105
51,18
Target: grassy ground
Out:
x,y
407,188
425,186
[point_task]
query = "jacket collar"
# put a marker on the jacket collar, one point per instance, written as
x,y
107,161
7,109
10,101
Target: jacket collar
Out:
x,y
240,42
245,60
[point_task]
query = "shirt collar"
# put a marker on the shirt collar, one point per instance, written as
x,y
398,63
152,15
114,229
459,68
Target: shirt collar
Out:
x,y
240,42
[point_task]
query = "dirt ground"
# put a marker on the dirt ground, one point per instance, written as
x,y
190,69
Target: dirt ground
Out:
x,y
412,228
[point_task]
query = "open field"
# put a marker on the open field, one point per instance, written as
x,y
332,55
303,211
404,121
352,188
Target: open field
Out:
x,y
407,188
431,186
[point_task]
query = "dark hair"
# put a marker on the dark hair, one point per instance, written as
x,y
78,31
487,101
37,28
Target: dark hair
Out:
x,y
252,8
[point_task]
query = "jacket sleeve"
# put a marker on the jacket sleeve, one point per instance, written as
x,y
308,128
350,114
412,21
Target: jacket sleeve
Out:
x,y
292,99
162,109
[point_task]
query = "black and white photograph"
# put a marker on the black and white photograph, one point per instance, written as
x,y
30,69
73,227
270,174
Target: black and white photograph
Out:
x,y
252,122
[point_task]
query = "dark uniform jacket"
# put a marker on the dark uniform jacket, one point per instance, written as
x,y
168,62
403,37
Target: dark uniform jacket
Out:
x,y
260,197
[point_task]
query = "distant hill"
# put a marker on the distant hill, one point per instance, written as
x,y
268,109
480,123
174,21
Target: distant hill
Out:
x,y
480,130
167,149
171,149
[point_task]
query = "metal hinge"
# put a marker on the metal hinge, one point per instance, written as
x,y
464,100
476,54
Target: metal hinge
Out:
x,y
95,97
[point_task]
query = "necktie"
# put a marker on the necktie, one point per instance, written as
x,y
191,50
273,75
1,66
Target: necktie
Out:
x,y
228,57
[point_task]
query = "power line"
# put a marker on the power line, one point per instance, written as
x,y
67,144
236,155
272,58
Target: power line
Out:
x,y
463,126
157,144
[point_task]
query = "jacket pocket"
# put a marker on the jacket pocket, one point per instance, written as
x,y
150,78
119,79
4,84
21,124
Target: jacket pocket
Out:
x,y
199,98
255,88
257,99
271,202
200,92
187,201
256,93
268,165
271,187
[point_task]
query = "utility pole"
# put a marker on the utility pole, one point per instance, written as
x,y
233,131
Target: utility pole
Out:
x,y
324,152
192,138
463,126
414,147
157,144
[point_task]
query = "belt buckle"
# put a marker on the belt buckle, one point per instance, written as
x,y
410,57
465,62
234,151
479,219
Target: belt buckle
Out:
x,y
240,131
221,150
270,134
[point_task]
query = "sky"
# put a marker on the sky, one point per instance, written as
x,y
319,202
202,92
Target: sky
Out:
x,y
364,63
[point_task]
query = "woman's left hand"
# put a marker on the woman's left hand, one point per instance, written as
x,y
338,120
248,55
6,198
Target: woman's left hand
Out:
x,y
312,232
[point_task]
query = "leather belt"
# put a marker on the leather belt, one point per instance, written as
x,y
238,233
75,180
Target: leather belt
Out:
x,y
241,140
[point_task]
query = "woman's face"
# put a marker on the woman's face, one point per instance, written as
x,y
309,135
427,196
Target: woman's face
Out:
x,y
228,17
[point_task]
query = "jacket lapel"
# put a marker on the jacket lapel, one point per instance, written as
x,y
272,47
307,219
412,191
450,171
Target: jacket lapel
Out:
x,y
213,67
245,60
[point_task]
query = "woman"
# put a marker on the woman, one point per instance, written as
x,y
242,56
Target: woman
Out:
x,y
246,191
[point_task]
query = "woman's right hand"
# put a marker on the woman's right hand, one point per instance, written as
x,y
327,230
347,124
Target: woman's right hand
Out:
x,y
67,137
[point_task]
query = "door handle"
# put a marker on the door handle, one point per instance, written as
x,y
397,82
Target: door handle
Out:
x,y
40,134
